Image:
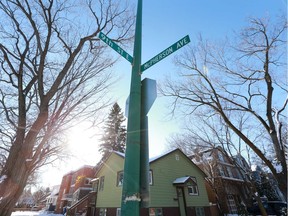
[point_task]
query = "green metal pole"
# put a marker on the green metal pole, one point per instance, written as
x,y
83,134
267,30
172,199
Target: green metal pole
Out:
x,y
148,96
144,163
131,184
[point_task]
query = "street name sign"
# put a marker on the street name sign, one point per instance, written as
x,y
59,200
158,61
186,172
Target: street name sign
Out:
x,y
114,46
179,44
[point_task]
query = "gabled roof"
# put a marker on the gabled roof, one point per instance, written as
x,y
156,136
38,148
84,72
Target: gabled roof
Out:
x,y
182,180
161,155
152,160
120,153
173,151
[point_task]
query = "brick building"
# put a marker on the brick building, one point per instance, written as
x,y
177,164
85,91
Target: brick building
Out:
x,y
74,186
227,176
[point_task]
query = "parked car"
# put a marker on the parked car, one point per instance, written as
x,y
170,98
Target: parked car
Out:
x,y
278,208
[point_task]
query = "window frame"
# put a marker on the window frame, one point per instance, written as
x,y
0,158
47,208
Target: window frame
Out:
x,y
193,186
150,176
200,211
101,183
221,171
95,184
102,212
118,212
232,204
221,156
229,172
118,178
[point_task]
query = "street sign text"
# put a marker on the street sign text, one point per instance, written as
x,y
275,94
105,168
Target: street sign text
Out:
x,y
182,42
114,46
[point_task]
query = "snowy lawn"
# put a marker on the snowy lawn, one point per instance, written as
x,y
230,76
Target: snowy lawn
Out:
x,y
33,213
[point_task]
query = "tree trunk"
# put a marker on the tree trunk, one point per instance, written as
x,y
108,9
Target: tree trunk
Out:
x,y
10,196
281,178
13,181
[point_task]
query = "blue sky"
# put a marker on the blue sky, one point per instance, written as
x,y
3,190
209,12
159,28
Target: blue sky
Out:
x,y
164,23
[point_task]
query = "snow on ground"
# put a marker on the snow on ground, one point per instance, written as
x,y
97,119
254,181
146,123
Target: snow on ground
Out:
x,y
33,213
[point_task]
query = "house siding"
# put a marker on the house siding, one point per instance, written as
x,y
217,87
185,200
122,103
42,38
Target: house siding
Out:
x,y
111,194
163,192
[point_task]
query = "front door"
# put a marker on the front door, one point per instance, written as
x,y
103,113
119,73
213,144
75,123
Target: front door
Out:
x,y
181,201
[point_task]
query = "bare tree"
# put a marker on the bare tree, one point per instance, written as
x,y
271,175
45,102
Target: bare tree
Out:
x,y
40,195
209,134
54,71
245,78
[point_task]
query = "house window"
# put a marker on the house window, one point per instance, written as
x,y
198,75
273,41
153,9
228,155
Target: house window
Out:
x,y
101,185
229,171
95,185
232,204
150,177
192,187
220,156
177,158
193,190
221,171
200,211
118,212
239,174
155,212
102,212
120,176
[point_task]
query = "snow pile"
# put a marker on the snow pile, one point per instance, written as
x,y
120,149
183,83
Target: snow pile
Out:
x,y
33,213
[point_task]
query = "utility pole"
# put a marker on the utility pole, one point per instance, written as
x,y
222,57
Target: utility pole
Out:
x,y
131,184
135,191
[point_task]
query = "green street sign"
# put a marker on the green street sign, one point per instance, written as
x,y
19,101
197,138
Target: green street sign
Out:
x,y
114,46
179,44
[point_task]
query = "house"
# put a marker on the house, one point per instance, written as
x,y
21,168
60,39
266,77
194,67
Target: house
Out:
x,y
226,175
52,198
177,186
74,186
